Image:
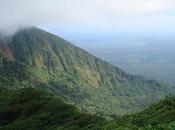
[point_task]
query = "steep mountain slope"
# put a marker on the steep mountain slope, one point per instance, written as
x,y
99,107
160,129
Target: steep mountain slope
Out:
x,y
93,85
14,73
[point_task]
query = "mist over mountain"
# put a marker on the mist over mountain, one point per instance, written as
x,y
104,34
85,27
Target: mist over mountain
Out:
x,y
88,15
87,65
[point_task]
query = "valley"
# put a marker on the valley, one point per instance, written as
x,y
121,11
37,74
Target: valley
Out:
x,y
141,54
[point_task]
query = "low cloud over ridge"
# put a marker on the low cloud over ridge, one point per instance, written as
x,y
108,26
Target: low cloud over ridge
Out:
x,y
15,14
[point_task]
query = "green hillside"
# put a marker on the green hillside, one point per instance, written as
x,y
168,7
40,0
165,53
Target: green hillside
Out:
x,y
160,116
89,83
14,73
36,109
31,109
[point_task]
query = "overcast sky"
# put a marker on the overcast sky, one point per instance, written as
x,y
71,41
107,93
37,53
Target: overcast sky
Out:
x,y
89,15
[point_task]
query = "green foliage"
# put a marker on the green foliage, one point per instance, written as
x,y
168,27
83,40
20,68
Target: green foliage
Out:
x,y
89,83
14,73
35,109
160,116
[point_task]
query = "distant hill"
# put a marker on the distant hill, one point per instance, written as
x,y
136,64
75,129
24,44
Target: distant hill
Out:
x,y
35,58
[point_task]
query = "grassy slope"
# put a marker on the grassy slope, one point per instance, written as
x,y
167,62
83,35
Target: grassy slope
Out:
x,y
89,83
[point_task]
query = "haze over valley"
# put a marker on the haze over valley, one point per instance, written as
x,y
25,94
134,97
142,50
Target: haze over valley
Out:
x,y
146,54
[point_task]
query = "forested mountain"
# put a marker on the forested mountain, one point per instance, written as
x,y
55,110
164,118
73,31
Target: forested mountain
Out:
x,y
32,109
160,116
35,58
36,109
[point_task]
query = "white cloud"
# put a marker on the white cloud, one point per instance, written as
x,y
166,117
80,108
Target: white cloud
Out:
x,y
15,13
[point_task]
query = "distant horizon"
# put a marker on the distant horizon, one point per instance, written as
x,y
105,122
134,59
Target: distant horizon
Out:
x,y
85,39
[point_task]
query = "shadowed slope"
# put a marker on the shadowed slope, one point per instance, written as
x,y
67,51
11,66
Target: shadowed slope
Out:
x,y
36,110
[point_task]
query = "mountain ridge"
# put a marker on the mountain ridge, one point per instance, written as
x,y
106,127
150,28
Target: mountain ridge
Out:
x,y
89,83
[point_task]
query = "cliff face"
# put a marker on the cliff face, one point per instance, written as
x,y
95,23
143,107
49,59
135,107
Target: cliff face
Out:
x,y
5,50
